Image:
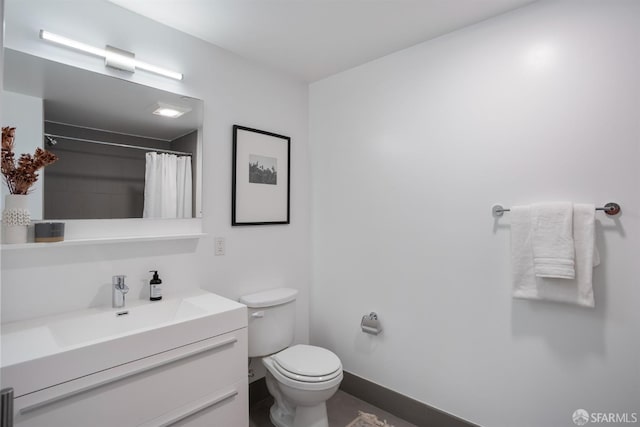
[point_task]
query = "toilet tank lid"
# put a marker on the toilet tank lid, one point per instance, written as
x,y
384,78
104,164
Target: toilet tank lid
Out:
x,y
269,298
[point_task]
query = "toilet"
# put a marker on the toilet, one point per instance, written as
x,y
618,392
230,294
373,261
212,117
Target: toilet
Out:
x,y
301,378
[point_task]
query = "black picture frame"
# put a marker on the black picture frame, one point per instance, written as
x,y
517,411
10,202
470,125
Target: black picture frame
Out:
x,y
261,177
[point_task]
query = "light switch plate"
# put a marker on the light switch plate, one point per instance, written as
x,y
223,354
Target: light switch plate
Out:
x,y
220,246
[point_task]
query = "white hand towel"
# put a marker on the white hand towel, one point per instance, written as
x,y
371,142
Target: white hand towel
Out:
x,y
553,246
525,283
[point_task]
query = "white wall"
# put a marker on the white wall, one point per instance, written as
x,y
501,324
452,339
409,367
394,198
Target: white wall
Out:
x,y
410,151
26,114
235,91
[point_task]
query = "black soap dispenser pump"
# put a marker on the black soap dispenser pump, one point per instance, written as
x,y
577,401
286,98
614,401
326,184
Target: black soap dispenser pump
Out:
x,y
155,287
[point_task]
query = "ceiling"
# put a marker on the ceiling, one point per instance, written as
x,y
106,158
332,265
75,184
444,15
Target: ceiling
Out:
x,y
313,39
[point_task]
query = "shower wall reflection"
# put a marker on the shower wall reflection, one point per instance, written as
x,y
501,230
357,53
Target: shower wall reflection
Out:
x,y
101,181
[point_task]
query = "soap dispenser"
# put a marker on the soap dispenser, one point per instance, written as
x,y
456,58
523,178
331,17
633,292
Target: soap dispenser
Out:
x,y
155,287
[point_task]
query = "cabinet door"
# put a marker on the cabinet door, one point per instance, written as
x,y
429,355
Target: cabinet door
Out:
x,y
169,383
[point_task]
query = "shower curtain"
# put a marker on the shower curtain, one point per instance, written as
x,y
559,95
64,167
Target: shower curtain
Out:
x,y
167,187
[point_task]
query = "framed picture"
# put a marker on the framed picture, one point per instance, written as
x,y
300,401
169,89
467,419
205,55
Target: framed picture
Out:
x,y
261,172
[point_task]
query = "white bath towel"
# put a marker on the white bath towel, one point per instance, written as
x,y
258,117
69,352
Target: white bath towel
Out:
x,y
553,248
525,283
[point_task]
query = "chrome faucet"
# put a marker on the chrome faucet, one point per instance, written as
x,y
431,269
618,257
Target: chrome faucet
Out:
x,y
118,291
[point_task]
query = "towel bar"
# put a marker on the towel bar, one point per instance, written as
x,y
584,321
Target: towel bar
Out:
x,y
610,209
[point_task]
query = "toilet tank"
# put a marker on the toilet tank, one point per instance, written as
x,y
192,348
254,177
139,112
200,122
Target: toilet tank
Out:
x,y
272,316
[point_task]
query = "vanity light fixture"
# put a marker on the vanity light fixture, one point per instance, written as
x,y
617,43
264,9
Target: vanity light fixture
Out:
x,y
113,57
171,111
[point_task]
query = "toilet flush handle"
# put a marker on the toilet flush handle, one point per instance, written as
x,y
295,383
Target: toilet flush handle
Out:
x,y
257,314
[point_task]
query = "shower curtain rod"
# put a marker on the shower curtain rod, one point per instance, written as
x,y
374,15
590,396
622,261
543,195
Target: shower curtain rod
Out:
x,y
115,144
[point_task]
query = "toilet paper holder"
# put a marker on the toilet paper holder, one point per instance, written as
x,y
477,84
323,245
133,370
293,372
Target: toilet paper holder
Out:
x,y
370,324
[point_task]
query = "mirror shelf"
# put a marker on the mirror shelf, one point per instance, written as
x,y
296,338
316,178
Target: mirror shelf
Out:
x,y
98,241
100,231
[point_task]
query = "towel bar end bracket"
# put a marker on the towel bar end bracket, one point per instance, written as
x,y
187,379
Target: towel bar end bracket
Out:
x,y
498,210
611,209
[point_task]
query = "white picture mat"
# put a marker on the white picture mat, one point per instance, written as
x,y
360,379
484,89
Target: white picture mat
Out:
x,y
260,202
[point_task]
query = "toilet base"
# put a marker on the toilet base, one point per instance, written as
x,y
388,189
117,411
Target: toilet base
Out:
x,y
304,416
278,418
298,404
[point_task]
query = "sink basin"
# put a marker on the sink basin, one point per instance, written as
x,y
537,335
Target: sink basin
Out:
x,y
92,327
90,340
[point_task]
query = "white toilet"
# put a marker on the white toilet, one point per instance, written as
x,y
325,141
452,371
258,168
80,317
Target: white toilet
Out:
x,y
300,378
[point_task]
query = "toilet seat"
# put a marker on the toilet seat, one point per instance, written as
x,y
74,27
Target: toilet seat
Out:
x,y
285,380
304,378
305,367
307,363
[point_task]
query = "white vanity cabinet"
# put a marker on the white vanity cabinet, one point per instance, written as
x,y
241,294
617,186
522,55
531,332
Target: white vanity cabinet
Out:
x,y
201,383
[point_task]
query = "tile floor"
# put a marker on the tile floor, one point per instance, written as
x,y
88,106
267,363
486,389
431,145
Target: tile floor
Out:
x,y
342,408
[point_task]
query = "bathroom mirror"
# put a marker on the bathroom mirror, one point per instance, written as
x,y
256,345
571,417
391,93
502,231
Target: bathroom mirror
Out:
x,y
101,128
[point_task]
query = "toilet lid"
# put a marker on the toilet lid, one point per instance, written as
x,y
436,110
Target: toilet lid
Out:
x,y
307,361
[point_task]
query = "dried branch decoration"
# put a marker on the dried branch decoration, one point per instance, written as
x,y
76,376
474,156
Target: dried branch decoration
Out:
x,y
21,177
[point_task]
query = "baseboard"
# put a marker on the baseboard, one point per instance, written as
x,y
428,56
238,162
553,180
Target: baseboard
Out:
x,y
393,402
399,405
